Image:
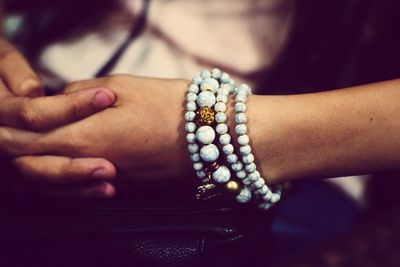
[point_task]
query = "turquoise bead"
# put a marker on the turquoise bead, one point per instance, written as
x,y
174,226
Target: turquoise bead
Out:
x,y
220,117
205,135
209,153
244,196
190,127
205,74
193,88
225,139
216,73
206,99
197,80
209,84
222,174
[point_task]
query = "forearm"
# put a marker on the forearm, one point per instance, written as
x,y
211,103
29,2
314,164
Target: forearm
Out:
x,y
342,132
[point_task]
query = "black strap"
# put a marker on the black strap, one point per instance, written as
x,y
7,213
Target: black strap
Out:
x,y
136,30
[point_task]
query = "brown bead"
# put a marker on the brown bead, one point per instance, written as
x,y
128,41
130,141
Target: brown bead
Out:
x,y
212,168
205,116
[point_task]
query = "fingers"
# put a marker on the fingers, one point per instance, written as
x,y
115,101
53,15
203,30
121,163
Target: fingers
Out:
x,y
96,190
64,178
14,142
45,113
16,72
58,171
92,83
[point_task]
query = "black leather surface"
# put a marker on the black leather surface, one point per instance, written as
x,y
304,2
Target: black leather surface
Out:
x,y
113,234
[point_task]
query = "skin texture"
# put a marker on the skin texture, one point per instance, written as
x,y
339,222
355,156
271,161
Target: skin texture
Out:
x,y
142,134
330,134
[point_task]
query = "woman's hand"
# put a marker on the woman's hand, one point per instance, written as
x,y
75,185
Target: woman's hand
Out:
x,y
16,72
142,134
56,175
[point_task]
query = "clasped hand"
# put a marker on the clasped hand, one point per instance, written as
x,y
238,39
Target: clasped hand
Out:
x,y
75,145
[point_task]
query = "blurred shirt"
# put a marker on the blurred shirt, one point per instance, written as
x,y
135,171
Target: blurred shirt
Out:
x,y
181,38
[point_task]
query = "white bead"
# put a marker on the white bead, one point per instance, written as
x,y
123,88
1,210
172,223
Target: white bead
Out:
x,y
228,149
232,159
222,98
195,157
246,181
244,89
220,117
191,106
209,153
251,168
225,139
245,150
238,166
244,196
275,198
193,148
193,88
201,174
197,80
241,174
240,118
205,74
241,129
240,107
248,159
190,127
241,98
209,84
190,115
243,140
191,138
221,128
216,73
225,78
191,97
205,135
254,176
259,183
225,89
220,107
222,174
265,192
265,205
206,99
197,166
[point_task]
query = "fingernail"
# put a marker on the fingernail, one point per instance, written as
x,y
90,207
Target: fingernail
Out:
x,y
101,174
105,191
103,99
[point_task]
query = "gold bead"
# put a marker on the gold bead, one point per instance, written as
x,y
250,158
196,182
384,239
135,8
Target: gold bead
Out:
x,y
205,116
232,187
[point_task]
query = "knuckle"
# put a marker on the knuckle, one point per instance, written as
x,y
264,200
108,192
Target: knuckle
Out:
x,y
30,117
78,109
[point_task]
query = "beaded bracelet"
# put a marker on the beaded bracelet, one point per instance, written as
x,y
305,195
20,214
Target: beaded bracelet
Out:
x,y
253,177
201,135
207,108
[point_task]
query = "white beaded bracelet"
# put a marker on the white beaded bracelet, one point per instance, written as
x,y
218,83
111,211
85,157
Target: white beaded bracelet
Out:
x,y
253,177
207,98
201,99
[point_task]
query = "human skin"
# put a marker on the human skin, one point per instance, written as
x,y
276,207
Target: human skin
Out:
x,y
24,106
341,132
